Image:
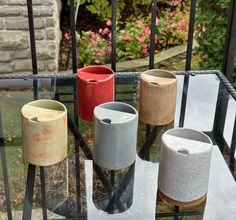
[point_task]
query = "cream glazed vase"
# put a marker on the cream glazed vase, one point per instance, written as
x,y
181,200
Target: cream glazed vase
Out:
x,y
184,167
157,99
44,132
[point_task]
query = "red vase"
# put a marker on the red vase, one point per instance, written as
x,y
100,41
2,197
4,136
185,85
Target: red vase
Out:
x,y
95,86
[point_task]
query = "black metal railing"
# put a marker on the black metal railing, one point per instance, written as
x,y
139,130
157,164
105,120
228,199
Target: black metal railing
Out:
x,y
221,109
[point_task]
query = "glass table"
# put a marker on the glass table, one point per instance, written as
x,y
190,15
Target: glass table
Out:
x,y
66,190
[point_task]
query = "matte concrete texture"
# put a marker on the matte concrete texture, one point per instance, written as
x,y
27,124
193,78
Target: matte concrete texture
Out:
x,y
44,132
184,165
220,203
157,99
115,135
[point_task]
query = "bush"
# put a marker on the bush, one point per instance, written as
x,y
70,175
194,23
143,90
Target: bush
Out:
x,y
133,36
211,25
102,8
132,39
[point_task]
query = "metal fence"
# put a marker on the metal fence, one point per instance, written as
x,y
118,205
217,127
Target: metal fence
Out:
x,y
217,133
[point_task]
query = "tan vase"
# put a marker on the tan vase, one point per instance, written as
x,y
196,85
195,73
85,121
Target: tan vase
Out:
x,y
157,99
44,132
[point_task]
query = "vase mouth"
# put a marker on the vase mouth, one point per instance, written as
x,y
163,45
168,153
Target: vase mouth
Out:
x,y
189,134
43,110
110,113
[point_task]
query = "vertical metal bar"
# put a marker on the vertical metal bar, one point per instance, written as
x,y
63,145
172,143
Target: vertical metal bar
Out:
x,y
28,201
184,100
176,212
220,116
32,45
4,171
151,56
190,35
232,148
113,35
148,142
43,193
73,36
5,180
148,131
188,61
230,46
32,36
153,33
74,68
112,177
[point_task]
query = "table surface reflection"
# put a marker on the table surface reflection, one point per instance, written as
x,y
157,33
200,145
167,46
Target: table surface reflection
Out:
x,y
61,192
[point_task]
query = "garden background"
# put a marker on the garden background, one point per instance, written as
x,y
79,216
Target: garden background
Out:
x,y
133,30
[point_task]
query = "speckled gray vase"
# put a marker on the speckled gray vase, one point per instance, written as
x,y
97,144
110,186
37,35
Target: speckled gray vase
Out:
x,y
115,135
184,166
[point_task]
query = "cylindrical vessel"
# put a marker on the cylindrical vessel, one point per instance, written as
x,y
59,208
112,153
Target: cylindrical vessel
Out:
x,y
184,168
95,86
115,135
157,99
44,132
114,150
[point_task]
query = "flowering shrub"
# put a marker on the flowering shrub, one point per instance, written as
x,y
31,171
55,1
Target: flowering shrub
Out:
x,y
133,38
92,48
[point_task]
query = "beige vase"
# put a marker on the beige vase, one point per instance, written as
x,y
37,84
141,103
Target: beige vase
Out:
x,y
44,132
157,99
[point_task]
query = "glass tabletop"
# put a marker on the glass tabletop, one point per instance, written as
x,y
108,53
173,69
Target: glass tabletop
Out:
x,y
76,188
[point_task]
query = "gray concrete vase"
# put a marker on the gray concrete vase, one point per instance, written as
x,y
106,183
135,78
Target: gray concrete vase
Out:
x,y
115,135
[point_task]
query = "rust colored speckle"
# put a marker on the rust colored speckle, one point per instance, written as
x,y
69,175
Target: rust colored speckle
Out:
x,y
36,137
47,130
64,121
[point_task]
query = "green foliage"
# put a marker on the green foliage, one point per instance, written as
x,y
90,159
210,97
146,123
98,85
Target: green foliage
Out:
x,y
211,28
133,34
92,48
102,8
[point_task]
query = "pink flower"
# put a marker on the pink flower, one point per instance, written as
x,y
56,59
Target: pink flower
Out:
x,y
95,38
105,31
141,39
101,52
90,33
67,35
157,20
145,51
182,22
100,30
147,30
124,37
172,14
109,23
139,23
97,61
109,50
